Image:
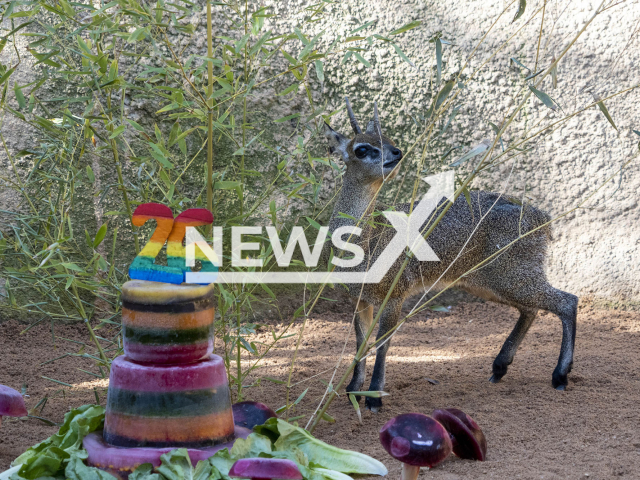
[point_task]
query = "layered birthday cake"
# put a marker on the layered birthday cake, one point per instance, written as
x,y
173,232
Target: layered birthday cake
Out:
x,y
168,405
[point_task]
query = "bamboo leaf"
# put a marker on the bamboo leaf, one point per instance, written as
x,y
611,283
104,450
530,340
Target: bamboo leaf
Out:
x,y
605,112
182,136
19,96
354,402
444,93
6,75
328,418
242,42
269,292
90,175
402,55
370,393
299,399
546,99
313,223
361,59
289,89
72,266
135,125
362,27
256,48
102,231
407,27
319,70
475,151
440,308
521,7
289,58
67,8
515,61
226,185
117,132
288,117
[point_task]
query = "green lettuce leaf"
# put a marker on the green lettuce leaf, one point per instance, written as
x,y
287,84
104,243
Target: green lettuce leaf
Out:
x,y
145,471
77,470
50,457
176,465
251,447
324,455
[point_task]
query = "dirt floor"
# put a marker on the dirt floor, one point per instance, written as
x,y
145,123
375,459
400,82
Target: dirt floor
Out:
x,y
592,430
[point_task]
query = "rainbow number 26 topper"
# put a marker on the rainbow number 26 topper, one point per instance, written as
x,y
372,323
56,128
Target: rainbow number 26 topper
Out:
x,y
170,230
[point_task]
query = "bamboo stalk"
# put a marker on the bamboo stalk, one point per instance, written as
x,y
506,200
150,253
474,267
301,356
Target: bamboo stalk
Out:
x,y
209,114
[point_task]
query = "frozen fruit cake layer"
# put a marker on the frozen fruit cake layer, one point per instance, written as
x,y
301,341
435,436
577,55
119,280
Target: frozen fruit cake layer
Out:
x,y
168,405
167,323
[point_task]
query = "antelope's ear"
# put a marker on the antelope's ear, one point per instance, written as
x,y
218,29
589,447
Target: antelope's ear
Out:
x,y
337,142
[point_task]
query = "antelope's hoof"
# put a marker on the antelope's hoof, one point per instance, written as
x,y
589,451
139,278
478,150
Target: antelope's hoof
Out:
x,y
373,404
559,381
495,378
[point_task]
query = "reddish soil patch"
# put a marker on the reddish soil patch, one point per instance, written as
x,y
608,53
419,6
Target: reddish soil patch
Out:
x,y
590,431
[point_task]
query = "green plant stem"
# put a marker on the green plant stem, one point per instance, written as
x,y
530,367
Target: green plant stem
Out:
x,y
293,362
544,7
121,186
209,114
238,354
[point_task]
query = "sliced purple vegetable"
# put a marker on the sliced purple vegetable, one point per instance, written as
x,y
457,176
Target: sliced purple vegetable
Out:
x,y
466,436
250,414
265,469
11,403
417,441
104,456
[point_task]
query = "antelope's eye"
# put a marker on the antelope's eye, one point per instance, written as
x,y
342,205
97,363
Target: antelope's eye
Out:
x,y
361,152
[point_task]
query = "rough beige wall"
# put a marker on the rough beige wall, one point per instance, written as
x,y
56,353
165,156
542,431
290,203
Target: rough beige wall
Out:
x,y
596,252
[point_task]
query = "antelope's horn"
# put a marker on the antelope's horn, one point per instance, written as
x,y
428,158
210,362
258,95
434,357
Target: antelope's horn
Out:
x,y
352,117
376,120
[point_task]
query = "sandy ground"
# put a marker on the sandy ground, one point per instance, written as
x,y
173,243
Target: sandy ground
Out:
x,y
592,430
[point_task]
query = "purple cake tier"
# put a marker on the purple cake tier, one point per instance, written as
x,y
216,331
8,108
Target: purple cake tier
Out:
x,y
120,462
168,405
167,323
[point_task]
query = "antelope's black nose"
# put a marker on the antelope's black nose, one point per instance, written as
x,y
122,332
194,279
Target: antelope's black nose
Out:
x,y
397,153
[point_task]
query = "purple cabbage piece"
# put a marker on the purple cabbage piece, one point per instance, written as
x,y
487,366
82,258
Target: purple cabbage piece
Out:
x,y
250,414
416,439
11,403
466,436
265,469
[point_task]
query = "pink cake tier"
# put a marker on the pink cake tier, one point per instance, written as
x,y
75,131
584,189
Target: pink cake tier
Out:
x,y
120,462
168,405
167,323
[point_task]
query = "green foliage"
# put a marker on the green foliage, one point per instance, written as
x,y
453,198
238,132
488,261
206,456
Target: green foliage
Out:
x,y
316,459
52,456
110,56
63,454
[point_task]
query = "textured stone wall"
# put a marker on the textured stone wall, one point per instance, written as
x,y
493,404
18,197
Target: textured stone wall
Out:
x,y
596,249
